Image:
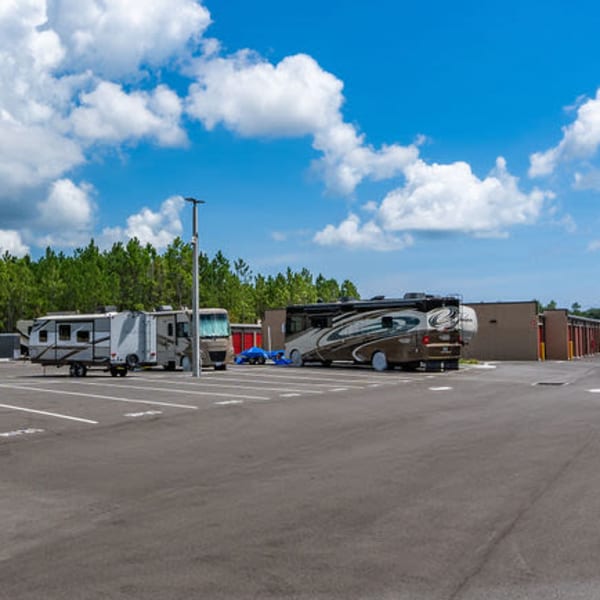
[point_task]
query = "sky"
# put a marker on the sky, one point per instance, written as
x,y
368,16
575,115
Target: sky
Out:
x,y
408,147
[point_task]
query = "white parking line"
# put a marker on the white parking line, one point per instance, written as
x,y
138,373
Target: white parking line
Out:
x,y
144,413
115,398
246,385
228,402
440,389
314,377
17,432
173,391
48,414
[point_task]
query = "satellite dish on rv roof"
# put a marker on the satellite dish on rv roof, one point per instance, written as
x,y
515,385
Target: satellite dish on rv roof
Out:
x,y
414,295
378,297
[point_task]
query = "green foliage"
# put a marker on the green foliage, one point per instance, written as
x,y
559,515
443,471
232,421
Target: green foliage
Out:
x,y
133,276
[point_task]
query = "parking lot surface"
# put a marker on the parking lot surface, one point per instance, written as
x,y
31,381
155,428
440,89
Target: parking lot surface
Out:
x,y
309,483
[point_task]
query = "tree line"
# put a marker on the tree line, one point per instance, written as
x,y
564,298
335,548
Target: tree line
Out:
x,y
133,276
591,313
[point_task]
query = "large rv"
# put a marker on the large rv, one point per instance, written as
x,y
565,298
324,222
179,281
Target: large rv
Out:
x,y
417,330
174,342
115,341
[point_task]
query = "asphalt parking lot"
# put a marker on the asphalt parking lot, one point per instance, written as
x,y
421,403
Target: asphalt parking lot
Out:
x,y
276,482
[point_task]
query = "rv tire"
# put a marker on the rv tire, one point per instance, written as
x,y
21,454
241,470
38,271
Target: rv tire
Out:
x,y
296,358
132,361
379,361
122,372
77,370
114,371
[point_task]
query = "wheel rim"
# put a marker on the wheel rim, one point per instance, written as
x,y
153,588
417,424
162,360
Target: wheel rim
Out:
x,y
379,361
296,358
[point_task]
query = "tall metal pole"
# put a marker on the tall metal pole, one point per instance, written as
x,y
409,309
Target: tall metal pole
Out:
x,y
196,355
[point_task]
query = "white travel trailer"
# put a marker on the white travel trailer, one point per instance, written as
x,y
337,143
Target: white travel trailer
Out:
x,y
174,342
115,341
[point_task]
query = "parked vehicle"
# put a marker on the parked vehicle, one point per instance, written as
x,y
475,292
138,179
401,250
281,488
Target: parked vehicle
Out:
x,y
417,330
115,341
174,342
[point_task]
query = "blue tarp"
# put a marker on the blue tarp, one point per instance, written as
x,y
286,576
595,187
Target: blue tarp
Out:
x,y
259,356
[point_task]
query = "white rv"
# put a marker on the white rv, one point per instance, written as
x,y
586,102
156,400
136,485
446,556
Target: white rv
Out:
x,y
115,341
174,342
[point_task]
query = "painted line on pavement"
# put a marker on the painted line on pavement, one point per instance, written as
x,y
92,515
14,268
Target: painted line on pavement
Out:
x,y
440,389
102,397
246,385
48,414
144,413
175,391
17,432
228,402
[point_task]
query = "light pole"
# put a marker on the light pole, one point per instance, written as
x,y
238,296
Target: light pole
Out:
x,y
196,356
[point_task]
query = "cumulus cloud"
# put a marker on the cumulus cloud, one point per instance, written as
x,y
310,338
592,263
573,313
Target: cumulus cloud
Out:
x,y
114,38
31,155
350,233
110,115
149,227
11,242
452,198
54,103
66,215
441,198
294,98
580,140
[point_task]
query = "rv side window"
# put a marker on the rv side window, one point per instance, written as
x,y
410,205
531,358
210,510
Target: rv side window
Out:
x,y
387,322
320,322
170,329
295,324
83,335
64,332
43,336
183,329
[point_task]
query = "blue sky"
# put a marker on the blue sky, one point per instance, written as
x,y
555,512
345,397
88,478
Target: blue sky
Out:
x,y
440,147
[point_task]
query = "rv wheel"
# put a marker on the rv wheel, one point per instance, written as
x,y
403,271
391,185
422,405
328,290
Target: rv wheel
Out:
x,y
296,358
113,371
77,370
132,360
379,361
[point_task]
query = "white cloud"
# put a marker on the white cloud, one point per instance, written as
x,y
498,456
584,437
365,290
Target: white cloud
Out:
x,y
594,246
53,105
254,98
350,233
294,98
31,155
440,198
452,198
149,227
580,140
11,242
114,38
110,115
65,217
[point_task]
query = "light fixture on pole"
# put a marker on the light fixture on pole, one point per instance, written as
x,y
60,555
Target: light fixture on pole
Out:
x,y
196,355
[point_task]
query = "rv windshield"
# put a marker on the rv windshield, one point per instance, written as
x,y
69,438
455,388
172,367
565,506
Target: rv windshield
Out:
x,y
216,325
